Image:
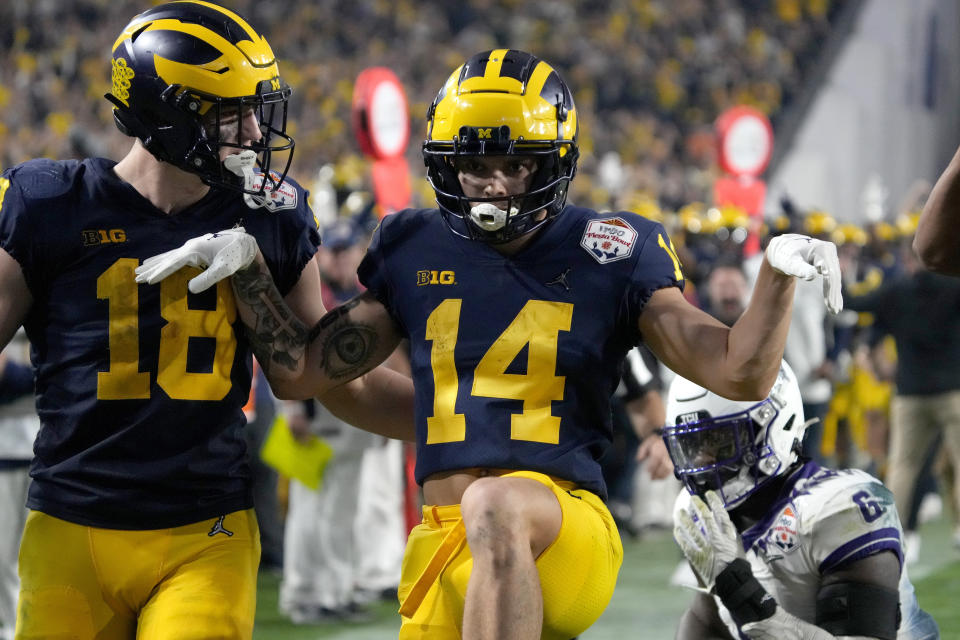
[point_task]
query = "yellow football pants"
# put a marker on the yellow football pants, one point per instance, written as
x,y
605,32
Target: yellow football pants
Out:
x,y
577,572
190,582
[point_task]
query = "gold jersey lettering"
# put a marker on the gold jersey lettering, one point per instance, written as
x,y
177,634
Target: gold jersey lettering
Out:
x,y
435,277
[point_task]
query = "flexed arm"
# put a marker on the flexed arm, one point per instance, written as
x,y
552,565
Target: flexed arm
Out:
x,y
336,359
741,362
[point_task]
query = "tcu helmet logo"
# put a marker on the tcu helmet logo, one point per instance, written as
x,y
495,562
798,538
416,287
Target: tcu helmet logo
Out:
x,y
609,240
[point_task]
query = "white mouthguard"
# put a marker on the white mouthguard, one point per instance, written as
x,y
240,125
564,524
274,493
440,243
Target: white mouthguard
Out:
x,y
489,216
242,164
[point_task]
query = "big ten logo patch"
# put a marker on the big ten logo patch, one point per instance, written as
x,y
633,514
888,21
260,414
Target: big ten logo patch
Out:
x,y
435,277
93,237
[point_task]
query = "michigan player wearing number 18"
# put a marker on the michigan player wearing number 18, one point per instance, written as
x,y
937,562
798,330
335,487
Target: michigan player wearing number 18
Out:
x,y
141,521
520,309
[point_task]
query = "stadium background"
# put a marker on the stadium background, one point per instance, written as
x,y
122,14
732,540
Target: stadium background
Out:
x,y
862,95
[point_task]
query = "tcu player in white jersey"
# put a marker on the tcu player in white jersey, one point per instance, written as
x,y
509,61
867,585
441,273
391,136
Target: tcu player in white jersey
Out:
x,y
786,549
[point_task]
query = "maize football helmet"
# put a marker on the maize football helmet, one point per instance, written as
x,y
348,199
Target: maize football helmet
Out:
x,y
733,447
180,70
502,102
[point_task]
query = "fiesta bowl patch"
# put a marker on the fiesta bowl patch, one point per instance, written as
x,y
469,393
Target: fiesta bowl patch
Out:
x,y
284,197
783,531
609,240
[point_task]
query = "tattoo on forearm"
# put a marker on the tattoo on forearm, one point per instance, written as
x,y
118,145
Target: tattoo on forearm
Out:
x,y
278,337
347,351
331,317
347,346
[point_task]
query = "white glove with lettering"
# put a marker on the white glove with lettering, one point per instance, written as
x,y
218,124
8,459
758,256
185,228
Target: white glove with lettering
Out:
x,y
797,255
707,537
223,253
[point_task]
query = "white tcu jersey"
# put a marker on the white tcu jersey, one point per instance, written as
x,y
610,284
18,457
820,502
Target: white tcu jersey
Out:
x,y
824,520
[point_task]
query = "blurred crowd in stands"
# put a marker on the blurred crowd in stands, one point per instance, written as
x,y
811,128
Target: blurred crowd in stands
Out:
x,y
645,73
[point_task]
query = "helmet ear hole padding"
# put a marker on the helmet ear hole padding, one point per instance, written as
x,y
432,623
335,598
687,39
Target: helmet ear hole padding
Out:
x,y
127,122
789,423
130,123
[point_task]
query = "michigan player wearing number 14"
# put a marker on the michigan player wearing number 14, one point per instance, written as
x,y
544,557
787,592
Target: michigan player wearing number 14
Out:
x,y
520,310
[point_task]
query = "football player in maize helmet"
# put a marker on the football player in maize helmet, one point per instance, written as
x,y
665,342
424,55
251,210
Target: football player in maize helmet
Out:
x,y
141,520
731,447
185,77
516,344
508,104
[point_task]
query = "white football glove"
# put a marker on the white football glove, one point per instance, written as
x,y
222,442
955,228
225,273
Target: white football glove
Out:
x,y
797,255
223,253
707,537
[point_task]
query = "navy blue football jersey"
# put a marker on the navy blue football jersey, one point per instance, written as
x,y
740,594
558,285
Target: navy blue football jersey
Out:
x,y
514,359
139,387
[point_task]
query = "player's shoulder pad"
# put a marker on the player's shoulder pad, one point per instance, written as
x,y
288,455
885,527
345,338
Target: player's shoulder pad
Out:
x,y
44,179
396,225
637,222
650,231
842,494
645,227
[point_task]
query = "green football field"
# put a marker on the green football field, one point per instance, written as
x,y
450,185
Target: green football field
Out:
x,y
644,605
